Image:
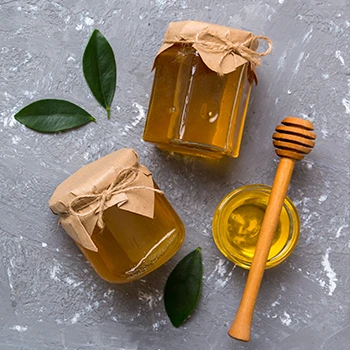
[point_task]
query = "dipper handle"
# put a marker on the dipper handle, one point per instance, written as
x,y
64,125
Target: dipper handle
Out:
x,y
292,140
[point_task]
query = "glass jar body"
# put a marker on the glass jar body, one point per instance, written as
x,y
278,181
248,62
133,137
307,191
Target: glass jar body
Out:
x,y
194,110
130,246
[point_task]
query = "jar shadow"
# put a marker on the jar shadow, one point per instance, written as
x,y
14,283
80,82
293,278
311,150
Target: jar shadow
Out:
x,y
210,169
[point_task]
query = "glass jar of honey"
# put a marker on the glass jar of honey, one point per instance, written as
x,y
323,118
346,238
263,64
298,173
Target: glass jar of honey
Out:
x,y
118,217
202,84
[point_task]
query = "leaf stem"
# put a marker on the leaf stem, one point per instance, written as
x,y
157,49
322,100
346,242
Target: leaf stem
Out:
x,y
108,109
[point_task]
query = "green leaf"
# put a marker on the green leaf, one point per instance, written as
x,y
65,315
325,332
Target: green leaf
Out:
x,y
183,287
100,69
53,115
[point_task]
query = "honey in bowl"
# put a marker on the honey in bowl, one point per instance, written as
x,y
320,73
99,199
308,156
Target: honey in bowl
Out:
x,y
237,222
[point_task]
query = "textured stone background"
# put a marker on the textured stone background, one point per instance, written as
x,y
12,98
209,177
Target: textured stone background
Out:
x,y
49,295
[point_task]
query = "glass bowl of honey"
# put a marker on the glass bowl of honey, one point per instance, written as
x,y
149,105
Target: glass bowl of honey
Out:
x,y
237,222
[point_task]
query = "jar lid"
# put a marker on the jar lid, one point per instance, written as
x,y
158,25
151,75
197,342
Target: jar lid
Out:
x,y
116,179
222,49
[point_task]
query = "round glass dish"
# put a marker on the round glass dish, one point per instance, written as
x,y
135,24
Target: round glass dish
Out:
x,y
237,222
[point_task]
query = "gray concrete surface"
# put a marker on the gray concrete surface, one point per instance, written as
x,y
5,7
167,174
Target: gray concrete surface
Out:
x,y
49,295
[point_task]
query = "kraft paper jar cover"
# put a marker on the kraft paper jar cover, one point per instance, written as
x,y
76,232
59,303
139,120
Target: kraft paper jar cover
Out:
x,y
116,179
221,48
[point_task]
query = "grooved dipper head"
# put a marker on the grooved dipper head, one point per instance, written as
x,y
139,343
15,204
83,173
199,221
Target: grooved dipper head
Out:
x,y
294,138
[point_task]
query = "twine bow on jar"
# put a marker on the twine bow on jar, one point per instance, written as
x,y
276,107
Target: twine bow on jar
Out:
x,y
116,191
227,47
244,50
116,179
222,49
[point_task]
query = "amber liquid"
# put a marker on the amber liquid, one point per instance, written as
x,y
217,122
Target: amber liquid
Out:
x,y
240,227
244,225
131,246
194,110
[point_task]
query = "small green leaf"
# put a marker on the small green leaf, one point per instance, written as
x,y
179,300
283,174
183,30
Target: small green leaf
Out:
x,y
100,69
53,115
183,287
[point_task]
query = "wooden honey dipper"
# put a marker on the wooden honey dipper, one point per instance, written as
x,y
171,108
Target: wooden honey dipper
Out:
x,y
293,140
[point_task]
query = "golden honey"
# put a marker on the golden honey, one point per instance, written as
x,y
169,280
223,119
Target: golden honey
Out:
x,y
194,110
237,222
131,246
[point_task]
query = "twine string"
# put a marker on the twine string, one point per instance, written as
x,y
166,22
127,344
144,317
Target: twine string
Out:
x,y
97,200
228,47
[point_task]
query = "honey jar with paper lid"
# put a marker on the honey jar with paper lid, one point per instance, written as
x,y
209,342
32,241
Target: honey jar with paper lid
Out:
x,y
203,79
118,217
